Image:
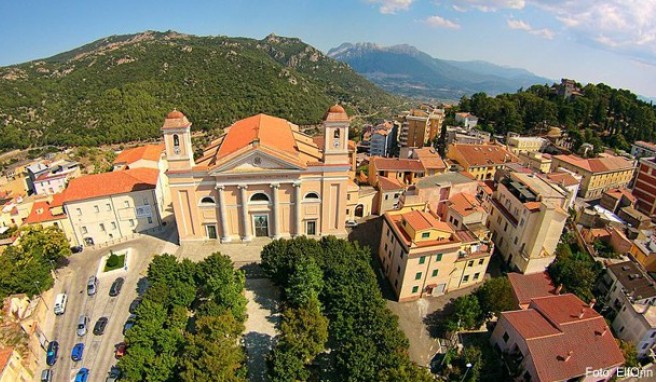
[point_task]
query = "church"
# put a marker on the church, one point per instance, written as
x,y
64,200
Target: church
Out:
x,y
262,178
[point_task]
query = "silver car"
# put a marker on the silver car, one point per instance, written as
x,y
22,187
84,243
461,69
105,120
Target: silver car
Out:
x,y
82,325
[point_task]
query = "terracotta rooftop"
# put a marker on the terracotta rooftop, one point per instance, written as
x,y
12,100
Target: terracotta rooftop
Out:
x,y
110,183
5,356
429,158
617,193
465,204
604,163
482,155
396,164
420,220
564,337
336,113
527,287
41,213
148,152
563,178
267,131
389,184
487,186
176,120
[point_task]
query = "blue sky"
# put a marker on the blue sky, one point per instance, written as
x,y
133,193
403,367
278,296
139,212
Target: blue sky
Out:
x,y
610,41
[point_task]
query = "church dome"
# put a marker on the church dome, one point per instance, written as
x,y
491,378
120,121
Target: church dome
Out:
x,y
175,114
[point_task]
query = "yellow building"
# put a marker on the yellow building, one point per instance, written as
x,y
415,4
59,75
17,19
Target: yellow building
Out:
x,y
423,162
51,214
517,144
12,368
422,256
482,161
262,178
599,174
527,220
536,160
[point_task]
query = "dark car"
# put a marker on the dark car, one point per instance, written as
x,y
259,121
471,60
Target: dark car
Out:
x,y
134,305
114,374
120,350
115,289
77,249
51,353
99,328
82,375
128,324
78,351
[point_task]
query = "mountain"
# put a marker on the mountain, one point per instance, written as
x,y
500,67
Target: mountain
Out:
x,y
405,70
120,88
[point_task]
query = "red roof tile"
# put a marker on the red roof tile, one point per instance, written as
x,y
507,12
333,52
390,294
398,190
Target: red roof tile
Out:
x,y
41,213
267,131
429,158
601,164
5,355
110,183
482,155
420,220
148,152
465,204
176,120
530,324
396,164
527,287
563,178
619,192
389,184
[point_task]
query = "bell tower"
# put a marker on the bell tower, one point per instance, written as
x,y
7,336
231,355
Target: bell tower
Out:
x,y
335,145
177,139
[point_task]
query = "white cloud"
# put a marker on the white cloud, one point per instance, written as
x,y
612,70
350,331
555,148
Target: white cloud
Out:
x,y
521,25
489,5
392,6
441,22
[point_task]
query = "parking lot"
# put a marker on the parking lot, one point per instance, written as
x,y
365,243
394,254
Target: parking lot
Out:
x,y
98,354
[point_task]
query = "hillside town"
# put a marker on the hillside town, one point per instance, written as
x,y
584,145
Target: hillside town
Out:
x,y
541,258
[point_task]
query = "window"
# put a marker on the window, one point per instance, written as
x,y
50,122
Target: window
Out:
x,y
418,276
470,263
259,197
415,289
79,212
313,196
401,254
425,235
176,141
348,196
481,261
505,228
652,335
438,257
516,240
422,259
311,228
131,222
465,278
645,346
499,219
435,271
348,212
145,201
521,222
476,275
207,200
113,225
150,220
126,203
108,207
95,208
102,227
621,329
398,269
386,246
386,197
84,230
506,337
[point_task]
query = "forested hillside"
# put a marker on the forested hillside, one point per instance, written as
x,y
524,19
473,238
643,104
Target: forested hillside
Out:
x,y
121,87
616,116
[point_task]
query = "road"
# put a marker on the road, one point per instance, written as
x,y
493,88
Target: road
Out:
x,y
72,279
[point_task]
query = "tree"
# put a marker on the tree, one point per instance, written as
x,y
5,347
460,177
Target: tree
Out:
x,y
467,313
576,272
496,296
222,284
305,283
49,243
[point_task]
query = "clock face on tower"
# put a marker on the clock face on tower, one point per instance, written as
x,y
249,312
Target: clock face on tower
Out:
x,y
336,143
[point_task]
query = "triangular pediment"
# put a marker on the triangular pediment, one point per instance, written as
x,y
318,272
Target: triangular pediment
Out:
x,y
255,161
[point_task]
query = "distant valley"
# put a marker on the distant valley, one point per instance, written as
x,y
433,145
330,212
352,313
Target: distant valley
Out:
x,y
405,70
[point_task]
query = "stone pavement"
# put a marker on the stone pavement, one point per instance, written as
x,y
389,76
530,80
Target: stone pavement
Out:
x,y
263,318
240,253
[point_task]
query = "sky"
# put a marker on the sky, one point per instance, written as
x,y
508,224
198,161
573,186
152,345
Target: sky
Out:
x,y
609,41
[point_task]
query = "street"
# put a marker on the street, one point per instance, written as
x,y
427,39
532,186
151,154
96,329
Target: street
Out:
x,y
98,350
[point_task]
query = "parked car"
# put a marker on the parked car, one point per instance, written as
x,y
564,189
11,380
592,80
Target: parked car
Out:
x,y
116,287
120,350
82,325
60,303
92,285
46,375
128,324
99,328
77,249
51,353
114,374
78,351
82,375
351,224
134,305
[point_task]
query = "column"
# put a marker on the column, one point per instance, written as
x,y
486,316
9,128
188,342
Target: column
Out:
x,y
297,209
225,236
246,224
276,217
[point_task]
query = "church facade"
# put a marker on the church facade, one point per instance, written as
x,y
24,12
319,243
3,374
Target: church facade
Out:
x,y
261,178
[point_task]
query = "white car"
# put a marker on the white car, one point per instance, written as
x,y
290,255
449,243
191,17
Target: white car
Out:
x,y
351,224
60,303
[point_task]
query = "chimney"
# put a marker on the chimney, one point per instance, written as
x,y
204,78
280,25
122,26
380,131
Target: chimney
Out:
x,y
582,313
603,332
569,355
592,303
560,288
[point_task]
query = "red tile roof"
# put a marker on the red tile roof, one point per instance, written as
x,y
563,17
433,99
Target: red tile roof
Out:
x,y
5,356
41,213
487,186
604,163
148,152
430,158
396,164
527,287
57,200
336,113
110,183
618,192
394,221
561,342
420,220
274,133
465,204
176,120
483,155
563,178
389,184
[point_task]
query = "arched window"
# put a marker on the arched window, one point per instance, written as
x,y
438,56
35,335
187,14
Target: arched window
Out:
x,y
311,196
176,141
259,197
207,200
336,134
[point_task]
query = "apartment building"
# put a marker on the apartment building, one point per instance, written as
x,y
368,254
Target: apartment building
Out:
x,y
536,160
383,139
568,182
631,294
599,174
482,161
644,188
50,213
424,162
527,220
12,366
113,205
642,149
435,191
422,256
517,144
468,120
557,338
56,177
419,127
389,192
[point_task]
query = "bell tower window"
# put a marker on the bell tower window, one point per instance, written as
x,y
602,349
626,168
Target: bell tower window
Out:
x,y
336,136
176,144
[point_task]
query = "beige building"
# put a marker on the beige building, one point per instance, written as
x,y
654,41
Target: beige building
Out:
x,y
517,144
599,174
536,160
527,220
419,127
263,177
422,256
389,193
12,368
482,161
50,213
423,162
106,207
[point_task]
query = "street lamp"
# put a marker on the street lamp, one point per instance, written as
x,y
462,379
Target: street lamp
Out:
x,y
469,366
36,284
